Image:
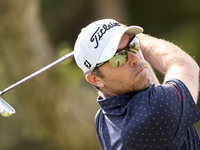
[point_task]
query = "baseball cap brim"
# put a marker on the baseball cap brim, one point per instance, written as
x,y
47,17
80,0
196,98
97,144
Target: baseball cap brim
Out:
x,y
113,43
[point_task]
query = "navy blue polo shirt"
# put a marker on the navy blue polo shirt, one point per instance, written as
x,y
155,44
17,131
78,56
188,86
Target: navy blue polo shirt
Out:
x,y
157,118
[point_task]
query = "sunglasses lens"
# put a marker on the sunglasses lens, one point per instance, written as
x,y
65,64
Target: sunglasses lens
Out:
x,y
119,59
134,46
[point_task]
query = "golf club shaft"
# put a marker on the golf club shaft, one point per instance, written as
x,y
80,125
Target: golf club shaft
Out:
x,y
37,72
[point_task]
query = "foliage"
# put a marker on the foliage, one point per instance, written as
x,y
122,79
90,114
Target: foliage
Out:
x,y
56,109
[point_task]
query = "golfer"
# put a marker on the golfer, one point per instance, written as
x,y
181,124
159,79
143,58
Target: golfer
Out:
x,y
137,112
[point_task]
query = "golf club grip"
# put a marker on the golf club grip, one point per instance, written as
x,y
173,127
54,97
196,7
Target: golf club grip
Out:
x,y
69,55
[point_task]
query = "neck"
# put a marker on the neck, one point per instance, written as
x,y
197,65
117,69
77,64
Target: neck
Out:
x,y
105,95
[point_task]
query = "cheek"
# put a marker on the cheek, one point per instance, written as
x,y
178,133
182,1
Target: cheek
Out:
x,y
115,78
140,55
119,78
144,80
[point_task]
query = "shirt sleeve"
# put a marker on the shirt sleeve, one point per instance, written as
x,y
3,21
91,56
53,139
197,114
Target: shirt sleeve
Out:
x,y
172,110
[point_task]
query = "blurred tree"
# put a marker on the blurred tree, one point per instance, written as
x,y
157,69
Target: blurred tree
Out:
x,y
52,112
114,9
24,48
56,109
65,18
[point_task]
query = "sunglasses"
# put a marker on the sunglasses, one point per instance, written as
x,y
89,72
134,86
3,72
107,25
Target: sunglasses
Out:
x,y
121,56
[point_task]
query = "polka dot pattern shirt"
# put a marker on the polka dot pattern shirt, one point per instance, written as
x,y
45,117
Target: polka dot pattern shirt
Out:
x,y
157,118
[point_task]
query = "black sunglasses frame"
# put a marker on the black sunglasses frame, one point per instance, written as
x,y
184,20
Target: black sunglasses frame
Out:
x,y
129,47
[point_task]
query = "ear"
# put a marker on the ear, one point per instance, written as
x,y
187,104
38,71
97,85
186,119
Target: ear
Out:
x,y
95,80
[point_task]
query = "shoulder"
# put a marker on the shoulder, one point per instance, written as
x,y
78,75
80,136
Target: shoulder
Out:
x,y
172,86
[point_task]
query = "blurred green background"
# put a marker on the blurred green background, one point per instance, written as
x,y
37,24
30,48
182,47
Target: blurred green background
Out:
x,y
55,110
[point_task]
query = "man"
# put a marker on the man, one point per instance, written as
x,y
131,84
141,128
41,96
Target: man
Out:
x,y
138,113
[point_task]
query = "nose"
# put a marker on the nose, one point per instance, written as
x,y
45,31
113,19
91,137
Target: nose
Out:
x,y
133,58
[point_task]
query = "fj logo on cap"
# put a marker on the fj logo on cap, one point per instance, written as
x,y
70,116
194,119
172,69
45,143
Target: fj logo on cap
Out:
x,y
87,64
98,34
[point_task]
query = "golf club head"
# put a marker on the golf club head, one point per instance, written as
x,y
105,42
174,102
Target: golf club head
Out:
x,y
5,109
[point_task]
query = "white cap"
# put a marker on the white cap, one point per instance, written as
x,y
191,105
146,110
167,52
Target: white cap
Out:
x,y
98,42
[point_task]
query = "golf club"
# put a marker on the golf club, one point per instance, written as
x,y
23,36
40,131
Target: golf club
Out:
x,y
5,109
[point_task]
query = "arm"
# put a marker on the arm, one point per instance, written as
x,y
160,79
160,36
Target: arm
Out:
x,y
170,60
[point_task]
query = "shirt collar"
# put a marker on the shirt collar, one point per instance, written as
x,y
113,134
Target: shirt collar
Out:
x,y
110,104
115,101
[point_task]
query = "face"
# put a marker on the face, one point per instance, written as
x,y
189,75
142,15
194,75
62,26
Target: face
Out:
x,y
131,76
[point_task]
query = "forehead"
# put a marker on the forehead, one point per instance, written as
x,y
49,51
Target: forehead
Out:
x,y
124,41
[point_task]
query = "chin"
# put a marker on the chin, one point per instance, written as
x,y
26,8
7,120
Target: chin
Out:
x,y
144,84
